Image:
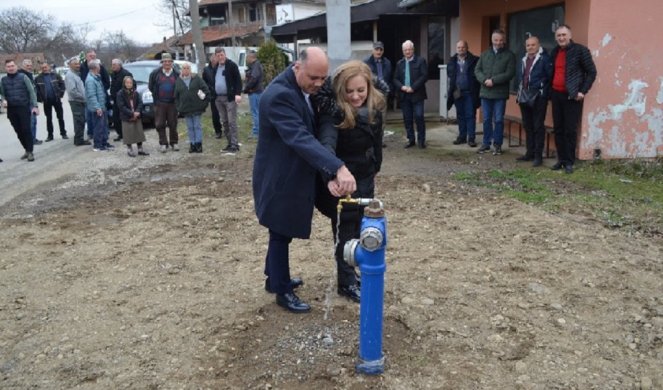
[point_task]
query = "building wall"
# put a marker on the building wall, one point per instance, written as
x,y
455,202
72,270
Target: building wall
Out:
x,y
623,114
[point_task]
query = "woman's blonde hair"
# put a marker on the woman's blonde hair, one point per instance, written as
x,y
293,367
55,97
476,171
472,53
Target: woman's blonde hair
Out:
x,y
374,99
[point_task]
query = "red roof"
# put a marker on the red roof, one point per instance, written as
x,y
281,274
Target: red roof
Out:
x,y
217,33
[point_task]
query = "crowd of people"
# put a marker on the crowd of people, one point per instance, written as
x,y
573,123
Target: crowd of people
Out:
x,y
319,138
562,77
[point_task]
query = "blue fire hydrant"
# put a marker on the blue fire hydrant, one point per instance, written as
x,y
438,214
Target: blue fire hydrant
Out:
x,y
368,252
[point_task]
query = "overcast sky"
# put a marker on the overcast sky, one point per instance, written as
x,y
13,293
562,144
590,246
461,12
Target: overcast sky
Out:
x,y
137,18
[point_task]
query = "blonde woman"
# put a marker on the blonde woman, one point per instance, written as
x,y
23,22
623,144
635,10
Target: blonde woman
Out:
x,y
191,99
351,126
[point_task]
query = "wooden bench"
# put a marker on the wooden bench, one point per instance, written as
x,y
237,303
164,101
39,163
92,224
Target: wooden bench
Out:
x,y
511,122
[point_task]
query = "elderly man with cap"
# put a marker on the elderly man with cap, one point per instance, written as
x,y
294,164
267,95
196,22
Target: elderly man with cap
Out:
x,y
380,65
118,73
162,86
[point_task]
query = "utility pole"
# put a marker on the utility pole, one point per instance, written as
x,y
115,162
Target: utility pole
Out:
x,y
197,35
338,26
230,23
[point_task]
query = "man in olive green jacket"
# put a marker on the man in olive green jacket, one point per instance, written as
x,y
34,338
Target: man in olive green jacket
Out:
x,y
495,69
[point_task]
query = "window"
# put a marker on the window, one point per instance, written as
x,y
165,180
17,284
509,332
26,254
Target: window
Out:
x,y
436,44
541,22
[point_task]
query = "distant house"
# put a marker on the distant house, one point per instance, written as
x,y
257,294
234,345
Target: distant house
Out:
x,y
244,23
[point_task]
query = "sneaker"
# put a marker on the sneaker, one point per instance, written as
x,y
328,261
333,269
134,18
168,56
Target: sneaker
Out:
x,y
483,149
231,151
131,153
175,147
163,148
497,150
31,157
99,149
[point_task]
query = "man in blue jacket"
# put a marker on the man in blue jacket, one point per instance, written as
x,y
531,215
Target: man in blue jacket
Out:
x,y
463,91
288,157
534,83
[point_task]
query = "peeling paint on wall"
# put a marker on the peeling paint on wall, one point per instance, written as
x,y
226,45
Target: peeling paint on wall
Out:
x,y
659,97
606,39
622,142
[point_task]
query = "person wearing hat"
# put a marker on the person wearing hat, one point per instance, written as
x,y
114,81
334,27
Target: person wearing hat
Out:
x,y
380,65
162,85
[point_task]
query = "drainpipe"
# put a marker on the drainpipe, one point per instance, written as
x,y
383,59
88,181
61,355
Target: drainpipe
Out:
x,y
368,253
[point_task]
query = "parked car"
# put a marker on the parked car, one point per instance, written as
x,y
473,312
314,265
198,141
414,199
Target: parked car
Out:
x,y
141,71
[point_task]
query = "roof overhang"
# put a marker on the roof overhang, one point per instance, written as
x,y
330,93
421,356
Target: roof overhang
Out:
x,y
366,12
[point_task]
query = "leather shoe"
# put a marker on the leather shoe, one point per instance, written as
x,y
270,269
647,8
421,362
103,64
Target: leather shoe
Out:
x,y
218,135
351,291
409,145
458,141
291,302
294,283
48,139
557,166
537,162
568,169
525,158
37,142
82,143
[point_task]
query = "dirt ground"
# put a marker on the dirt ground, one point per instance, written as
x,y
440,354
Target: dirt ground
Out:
x,y
151,278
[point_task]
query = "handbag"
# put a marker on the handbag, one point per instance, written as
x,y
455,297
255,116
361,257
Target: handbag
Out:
x,y
527,96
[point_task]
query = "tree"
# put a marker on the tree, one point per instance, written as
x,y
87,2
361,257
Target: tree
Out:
x,y
175,10
120,45
272,60
22,30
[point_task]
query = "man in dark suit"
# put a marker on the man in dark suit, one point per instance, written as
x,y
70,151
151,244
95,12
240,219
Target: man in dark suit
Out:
x,y
410,81
288,157
50,90
464,93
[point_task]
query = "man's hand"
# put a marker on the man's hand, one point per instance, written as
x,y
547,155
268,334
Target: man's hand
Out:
x,y
99,112
580,96
345,182
488,83
238,98
35,110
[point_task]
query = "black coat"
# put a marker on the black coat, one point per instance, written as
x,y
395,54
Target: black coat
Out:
x,y
56,82
116,81
122,102
386,69
233,79
580,68
288,157
418,78
452,73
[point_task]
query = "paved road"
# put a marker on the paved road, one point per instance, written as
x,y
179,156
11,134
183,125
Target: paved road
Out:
x,y
52,159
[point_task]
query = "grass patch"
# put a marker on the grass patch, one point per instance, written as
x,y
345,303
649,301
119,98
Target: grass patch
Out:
x,y
620,194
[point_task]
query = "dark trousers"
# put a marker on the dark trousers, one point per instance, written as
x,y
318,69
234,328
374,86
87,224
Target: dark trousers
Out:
x,y
216,119
99,130
117,122
21,119
78,113
566,119
535,130
467,118
166,113
350,222
414,112
57,105
277,263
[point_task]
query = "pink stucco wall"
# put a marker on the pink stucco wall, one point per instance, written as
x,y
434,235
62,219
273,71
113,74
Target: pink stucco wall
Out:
x,y
623,113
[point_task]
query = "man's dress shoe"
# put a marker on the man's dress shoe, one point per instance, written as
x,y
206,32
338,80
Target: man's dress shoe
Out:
x,y
351,291
291,302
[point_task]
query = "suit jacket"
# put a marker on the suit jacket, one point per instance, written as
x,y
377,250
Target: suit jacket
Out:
x,y
452,72
418,78
288,157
